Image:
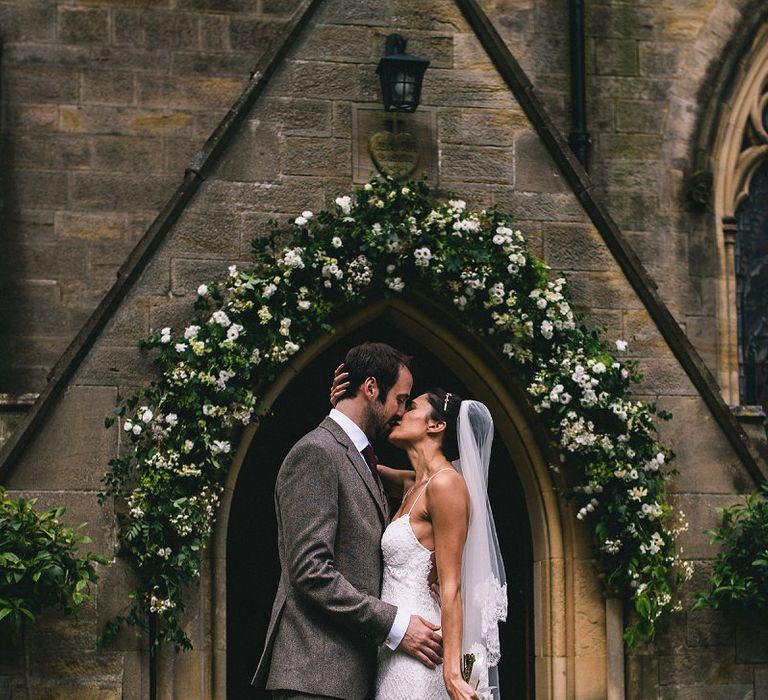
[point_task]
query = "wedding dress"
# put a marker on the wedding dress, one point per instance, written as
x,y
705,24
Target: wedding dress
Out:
x,y
407,565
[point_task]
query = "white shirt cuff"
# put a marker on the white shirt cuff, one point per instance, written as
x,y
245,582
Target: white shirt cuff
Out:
x,y
399,628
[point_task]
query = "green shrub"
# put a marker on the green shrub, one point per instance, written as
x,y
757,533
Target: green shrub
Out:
x,y
740,577
39,563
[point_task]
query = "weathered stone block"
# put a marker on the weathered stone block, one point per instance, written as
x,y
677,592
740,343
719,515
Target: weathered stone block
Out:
x,y
573,247
108,87
83,26
31,20
709,628
123,154
126,28
211,63
477,164
297,117
59,458
326,81
206,231
664,377
254,155
42,84
616,57
476,88
34,117
170,30
480,127
623,21
641,116
657,58
539,206
535,171
130,323
372,12
304,156
751,640
703,667
120,192
113,365
97,119
40,189
188,92
49,151
631,146
253,35
213,32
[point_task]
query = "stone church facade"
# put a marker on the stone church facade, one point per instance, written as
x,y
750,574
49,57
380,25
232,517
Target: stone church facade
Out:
x,y
146,142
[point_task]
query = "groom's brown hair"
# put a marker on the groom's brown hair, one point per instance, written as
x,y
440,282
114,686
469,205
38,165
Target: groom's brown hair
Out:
x,y
377,360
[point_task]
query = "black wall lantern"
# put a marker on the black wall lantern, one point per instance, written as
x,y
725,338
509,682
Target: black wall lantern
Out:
x,y
400,76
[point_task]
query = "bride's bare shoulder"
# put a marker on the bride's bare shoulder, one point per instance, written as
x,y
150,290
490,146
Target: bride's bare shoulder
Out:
x,y
448,486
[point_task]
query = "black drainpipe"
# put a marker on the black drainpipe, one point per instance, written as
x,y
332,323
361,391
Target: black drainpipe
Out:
x,y
579,137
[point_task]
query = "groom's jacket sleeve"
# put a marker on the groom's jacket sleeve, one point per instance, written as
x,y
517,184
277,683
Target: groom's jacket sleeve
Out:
x,y
307,493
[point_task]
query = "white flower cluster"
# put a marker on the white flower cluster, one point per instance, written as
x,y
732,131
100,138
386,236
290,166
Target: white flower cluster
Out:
x,y
291,259
359,273
160,605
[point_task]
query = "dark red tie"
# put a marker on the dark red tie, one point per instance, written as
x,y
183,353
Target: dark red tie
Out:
x,y
371,460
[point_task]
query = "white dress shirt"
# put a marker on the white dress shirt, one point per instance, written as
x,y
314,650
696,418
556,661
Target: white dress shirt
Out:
x,y
360,441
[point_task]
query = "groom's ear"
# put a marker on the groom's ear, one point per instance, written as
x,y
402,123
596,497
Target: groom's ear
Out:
x,y
370,388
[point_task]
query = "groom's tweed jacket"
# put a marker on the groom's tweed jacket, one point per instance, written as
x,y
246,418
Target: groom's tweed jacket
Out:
x,y
327,619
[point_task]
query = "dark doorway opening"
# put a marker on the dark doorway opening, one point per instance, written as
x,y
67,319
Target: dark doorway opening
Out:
x,y
252,563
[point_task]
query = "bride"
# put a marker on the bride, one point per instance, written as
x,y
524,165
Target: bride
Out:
x,y
441,554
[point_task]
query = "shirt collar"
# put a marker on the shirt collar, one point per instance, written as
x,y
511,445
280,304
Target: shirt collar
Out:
x,y
352,429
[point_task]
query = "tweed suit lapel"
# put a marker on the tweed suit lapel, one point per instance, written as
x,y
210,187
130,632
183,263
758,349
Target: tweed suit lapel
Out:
x,y
361,467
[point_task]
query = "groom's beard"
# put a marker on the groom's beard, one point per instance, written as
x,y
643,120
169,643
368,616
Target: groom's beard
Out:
x,y
377,426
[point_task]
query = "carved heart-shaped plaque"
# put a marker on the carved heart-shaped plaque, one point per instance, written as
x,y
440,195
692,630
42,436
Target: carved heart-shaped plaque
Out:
x,y
396,155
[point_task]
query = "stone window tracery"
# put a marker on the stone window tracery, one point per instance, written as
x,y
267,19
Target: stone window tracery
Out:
x,y
741,204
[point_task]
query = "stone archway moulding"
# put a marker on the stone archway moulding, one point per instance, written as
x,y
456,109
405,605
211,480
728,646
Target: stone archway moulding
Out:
x,y
734,165
556,543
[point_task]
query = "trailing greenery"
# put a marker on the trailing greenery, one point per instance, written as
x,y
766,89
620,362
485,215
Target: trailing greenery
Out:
x,y
39,563
740,576
380,241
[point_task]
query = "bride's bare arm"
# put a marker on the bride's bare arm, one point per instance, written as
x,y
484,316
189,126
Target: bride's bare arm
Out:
x,y
396,481
448,506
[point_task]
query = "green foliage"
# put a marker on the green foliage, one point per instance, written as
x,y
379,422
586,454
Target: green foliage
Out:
x,y
381,241
39,563
739,579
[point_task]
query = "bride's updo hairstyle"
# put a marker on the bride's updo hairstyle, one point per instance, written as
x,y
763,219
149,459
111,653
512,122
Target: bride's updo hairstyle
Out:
x,y
448,411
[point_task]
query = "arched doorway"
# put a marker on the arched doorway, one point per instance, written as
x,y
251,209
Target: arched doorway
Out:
x,y
252,569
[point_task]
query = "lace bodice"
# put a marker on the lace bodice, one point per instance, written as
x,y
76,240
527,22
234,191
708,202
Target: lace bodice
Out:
x,y
407,565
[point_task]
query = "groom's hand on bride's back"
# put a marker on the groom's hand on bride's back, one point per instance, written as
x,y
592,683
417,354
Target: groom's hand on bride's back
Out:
x,y
423,641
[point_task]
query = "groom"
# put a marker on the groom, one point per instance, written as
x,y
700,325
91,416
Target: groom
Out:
x,y
327,619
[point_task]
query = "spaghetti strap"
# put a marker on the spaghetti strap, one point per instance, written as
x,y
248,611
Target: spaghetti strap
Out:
x,y
425,487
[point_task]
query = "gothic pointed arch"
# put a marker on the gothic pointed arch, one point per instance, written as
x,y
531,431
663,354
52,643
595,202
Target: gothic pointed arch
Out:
x,y
740,159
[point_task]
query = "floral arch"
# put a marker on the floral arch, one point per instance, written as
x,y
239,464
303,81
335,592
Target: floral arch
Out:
x,y
215,378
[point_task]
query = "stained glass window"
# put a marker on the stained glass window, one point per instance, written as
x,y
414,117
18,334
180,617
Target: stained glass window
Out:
x,y
752,290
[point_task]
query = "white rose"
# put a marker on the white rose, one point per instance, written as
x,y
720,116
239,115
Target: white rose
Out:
x,y
233,332
172,419
180,347
202,290
300,221
190,333
145,414
165,335
232,270
621,345
336,242
307,214
221,318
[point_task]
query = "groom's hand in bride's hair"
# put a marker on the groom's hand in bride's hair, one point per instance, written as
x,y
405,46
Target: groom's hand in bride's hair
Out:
x,y
340,384
423,641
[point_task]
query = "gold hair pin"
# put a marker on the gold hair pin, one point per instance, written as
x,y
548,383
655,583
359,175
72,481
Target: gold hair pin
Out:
x,y
447,398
